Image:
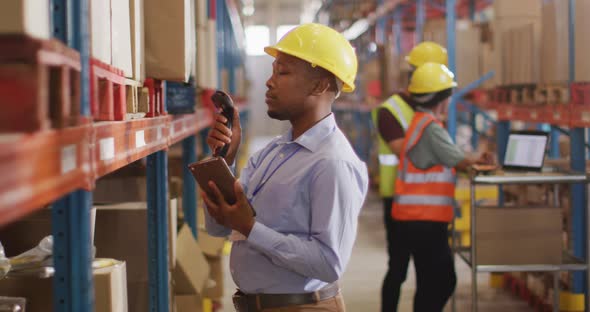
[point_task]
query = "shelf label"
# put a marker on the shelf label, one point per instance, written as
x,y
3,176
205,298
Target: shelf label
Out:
x,y
172,131
159,136
68,158
140,138
107,148
534,115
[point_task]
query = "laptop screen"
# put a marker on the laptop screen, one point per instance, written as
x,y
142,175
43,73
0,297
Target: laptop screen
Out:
x,y
526,150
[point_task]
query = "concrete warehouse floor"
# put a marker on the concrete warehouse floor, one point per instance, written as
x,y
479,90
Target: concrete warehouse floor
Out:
x,y
361,284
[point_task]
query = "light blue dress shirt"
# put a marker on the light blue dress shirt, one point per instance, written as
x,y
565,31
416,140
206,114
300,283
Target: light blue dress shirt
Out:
x,y
307,213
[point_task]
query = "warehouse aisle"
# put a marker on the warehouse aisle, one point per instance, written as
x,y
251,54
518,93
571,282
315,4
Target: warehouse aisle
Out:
x,y
361,284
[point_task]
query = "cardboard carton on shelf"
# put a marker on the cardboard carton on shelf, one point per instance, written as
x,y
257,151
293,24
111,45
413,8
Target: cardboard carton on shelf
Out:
x,y
214,290
110,290
212,246
520,8
582,24
168,39
192,270
25,17
554,53
188,303
513,236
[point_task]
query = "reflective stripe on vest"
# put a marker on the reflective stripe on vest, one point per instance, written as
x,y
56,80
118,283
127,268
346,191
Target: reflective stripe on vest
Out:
x,y
422,194
433,200
431,177
388,160
414,136
393,104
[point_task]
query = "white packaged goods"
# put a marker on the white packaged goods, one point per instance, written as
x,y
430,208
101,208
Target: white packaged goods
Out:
x,y
121,37
100,30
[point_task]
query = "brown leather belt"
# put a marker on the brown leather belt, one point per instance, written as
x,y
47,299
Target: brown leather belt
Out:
x,y
258,302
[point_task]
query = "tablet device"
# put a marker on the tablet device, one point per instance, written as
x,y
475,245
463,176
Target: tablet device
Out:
x,y
215,169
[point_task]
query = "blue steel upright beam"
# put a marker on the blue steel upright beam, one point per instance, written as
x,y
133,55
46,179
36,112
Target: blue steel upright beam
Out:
x,y
578,163
420,18
59,20
73,284
189,189
452,111
554,147
157,219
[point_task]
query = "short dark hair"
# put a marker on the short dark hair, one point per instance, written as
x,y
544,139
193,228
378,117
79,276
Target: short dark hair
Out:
x,y
431,100
321,73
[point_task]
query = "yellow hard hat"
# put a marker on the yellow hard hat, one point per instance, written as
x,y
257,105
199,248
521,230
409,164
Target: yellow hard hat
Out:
x,y
321,46
430,78
427,51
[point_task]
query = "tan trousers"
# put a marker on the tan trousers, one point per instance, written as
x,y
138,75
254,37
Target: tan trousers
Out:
x,y
334,304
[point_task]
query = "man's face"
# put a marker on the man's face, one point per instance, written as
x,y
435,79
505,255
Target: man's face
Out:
x,y
288,87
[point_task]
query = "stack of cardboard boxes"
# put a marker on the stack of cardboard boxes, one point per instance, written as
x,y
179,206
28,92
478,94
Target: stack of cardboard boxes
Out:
x,y
110,276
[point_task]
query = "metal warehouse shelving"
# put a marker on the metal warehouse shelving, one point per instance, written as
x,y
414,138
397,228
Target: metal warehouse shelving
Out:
x,y
393,16
60,166
569,263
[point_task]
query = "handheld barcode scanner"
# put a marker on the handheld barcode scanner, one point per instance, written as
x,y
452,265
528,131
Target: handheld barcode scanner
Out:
x,y
224,103
215,168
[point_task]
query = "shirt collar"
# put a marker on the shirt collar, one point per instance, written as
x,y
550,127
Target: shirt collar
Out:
x,y
313,137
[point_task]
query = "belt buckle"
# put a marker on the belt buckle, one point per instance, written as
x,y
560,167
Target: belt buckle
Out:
x,y
240,302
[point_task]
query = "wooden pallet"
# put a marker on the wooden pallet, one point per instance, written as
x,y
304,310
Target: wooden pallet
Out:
x,y
554,94
39,83
155,98
580,94
134,109
107,92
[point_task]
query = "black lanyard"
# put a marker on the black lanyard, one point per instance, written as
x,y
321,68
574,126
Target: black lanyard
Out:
x,y
265,179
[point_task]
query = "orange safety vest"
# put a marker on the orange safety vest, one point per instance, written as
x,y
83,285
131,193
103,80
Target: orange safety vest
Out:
x,y
422,195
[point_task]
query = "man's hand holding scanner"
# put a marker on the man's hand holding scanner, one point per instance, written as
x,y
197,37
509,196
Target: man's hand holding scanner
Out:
x,y
239,216
220,135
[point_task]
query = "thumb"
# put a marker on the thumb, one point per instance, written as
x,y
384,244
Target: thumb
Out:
x,y
236,120
239,191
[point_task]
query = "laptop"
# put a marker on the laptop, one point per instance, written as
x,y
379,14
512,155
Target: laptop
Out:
x,y
525,152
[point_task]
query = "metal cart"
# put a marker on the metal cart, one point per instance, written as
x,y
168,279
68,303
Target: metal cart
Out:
x,y
570,263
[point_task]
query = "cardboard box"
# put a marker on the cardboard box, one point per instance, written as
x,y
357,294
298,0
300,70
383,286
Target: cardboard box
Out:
x,y
188,303
581,40
109,286
214,290
100,30
138,296
137,40
120,190
212,246
487,63
468,52
504,45
121,233
168,39
201,14
192,270
520,8
26,233
121,36
13,304
26,17
506,236
555,53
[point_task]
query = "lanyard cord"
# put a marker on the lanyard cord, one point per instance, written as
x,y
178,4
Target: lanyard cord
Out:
x,y
263,181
